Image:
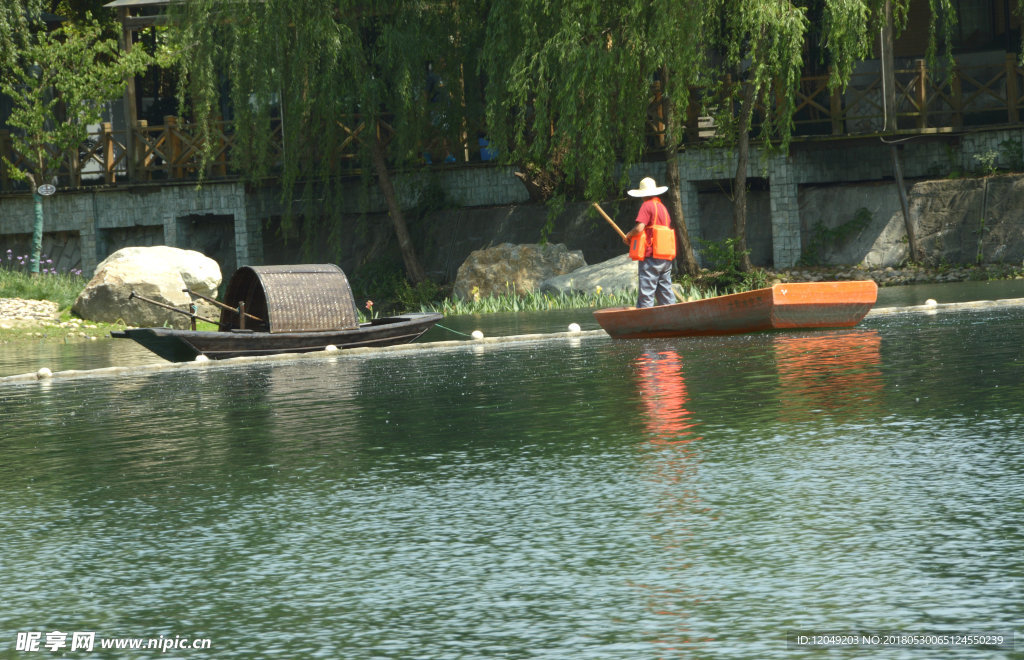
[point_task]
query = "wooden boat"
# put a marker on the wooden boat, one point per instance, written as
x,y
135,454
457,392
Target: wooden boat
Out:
x,y
782,306
281,309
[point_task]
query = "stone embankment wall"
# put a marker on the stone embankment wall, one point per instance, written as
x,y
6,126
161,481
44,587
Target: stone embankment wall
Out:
x,y
825,203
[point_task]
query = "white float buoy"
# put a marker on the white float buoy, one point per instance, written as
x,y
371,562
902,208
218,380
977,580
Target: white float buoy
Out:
x,y
931,302
44,373
574,327
477,334
202,358
330,348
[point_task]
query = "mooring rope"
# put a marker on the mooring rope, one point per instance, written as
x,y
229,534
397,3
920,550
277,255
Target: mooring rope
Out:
x,y
438,325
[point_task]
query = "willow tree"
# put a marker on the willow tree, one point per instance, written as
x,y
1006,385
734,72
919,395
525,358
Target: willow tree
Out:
x,y
570,90
333,76
762,46
759,48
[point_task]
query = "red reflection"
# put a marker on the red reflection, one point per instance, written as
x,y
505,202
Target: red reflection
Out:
x,y
673,467
826,373
664,397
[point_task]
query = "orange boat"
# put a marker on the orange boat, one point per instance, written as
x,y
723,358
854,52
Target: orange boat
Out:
x,y
783,306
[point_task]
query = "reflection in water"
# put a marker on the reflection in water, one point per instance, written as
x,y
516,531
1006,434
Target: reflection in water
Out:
x,y
664,397
835,373
670,426
503,502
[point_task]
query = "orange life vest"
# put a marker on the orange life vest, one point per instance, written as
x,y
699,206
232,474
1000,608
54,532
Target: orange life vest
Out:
x,y
661,238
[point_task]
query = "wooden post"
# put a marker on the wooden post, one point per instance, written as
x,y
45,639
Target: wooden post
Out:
x,y
107,141
958,100
922,94
175,170
137,157
74,166
130,114
1012,93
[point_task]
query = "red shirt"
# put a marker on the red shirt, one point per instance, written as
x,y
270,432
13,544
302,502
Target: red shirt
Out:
x,y
652,210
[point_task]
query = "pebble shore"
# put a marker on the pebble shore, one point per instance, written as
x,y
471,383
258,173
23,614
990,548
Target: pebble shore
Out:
x,y
44,317
19,310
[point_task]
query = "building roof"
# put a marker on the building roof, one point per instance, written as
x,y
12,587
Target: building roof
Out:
x,y
137,3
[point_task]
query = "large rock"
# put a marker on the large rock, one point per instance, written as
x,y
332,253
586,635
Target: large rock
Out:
x,y
158,273
613,276
617,275
507,267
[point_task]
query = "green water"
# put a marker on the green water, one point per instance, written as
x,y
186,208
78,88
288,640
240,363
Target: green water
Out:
x,y
565,498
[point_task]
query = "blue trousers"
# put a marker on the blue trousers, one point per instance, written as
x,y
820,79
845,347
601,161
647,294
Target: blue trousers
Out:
x,y
655,276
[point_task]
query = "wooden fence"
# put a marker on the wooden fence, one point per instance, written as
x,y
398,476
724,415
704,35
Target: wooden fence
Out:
x,y
972,96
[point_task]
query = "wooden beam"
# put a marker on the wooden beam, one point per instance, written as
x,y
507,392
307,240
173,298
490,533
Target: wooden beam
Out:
x,y
135,23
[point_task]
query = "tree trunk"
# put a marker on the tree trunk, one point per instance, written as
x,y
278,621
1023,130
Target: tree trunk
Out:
x,y
901,190
37,232
36,249
739,204
685,259
413,270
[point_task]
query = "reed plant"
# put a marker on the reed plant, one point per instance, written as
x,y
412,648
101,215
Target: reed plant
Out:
x,y
533,301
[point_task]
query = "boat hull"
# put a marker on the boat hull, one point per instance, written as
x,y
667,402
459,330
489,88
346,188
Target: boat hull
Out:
x,y
186,345
782,306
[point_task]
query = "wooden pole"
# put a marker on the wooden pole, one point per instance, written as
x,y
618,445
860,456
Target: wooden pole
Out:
x,y
610,221
130,114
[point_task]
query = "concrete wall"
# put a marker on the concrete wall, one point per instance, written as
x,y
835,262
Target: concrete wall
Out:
x,y
819,184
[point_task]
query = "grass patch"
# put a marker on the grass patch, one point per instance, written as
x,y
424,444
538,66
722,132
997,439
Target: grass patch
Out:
x,y
61,288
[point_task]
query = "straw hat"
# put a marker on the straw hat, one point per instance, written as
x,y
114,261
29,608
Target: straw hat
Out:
x,y
647,188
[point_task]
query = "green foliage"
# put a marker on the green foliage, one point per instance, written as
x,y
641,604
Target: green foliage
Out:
x,y
513,301
385,284
324,72
1014,154
57,87
569,82
17,19
409,296
61,288
823,237
988,162
725,268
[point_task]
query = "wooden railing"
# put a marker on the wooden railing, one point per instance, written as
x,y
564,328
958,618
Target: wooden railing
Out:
x,y
975,95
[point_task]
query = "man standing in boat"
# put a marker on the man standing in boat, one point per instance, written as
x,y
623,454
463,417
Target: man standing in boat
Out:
x,y
652,245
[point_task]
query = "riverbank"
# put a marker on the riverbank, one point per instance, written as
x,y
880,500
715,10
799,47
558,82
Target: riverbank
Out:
x,y
41,320
890,276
